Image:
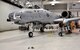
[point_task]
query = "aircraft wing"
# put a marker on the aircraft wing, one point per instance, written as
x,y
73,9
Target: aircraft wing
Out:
x,y
56,21
65,20
71,19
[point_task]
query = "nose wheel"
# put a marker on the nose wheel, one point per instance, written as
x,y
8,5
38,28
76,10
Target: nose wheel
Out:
x,y
30,34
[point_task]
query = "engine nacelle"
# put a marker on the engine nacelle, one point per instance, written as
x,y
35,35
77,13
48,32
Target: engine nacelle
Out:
x,y
66,14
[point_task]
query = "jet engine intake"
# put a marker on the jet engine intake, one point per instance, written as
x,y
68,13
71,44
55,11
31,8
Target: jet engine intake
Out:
x,y
66,14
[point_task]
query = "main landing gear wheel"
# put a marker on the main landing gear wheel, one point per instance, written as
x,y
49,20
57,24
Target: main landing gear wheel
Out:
x,y
41,29
60,34
30,34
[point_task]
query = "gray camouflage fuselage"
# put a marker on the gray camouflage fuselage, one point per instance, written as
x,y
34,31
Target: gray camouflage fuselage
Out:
x,y
32,15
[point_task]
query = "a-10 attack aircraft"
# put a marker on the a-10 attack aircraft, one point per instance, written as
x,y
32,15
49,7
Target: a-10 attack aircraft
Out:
x,y
39,18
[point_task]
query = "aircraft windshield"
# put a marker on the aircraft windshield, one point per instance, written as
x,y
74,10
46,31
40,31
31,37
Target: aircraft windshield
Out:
x,y
34,7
